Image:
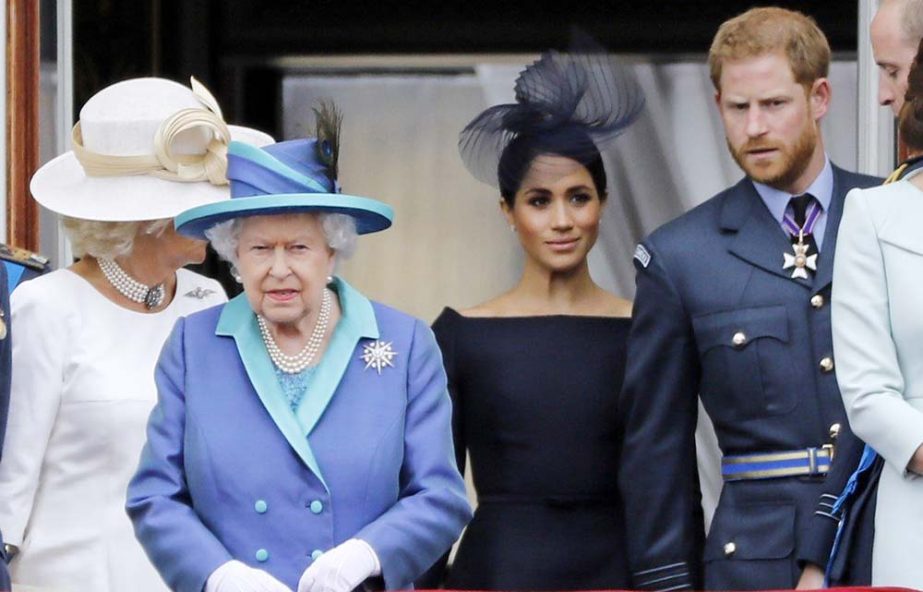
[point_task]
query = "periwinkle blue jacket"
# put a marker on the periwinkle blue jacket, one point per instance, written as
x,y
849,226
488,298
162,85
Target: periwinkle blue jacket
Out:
x,y
230,472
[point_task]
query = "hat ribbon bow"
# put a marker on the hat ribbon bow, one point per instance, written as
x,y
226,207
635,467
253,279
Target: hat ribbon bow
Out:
x,y
210,166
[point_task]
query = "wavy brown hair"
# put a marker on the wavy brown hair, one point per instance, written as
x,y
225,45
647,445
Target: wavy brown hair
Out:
x,y
768,30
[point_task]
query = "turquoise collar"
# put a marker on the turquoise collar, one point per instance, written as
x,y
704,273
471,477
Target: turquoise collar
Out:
x,y
356,311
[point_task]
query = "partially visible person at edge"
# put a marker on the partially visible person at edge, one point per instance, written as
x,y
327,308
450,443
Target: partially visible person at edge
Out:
x,y
87,336
327,459
21,265
877,336
5,366
896,31
16,265
732,305
534,373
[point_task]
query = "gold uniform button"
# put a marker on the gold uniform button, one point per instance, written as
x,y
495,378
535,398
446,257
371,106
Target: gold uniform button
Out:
x,y
826,364
817,301
739,339
834,431
729,549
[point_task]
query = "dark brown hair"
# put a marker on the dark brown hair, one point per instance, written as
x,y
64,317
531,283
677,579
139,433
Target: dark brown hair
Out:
x,y
569,142
911,118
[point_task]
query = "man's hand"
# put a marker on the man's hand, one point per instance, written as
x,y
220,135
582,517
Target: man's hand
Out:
x,y
812,578
916,462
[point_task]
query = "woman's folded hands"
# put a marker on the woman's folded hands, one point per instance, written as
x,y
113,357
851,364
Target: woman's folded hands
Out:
x,y
341,569
235,576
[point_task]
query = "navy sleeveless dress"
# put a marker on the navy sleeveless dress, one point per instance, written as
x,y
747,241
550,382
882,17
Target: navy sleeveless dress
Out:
x,y
536,408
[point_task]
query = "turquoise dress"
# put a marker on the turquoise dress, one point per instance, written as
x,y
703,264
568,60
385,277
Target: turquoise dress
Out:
x,y
295,386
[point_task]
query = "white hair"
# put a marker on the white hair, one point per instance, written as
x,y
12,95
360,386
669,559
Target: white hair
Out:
x,y
339,233
108,240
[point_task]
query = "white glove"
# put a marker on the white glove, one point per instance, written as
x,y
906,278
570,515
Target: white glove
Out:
x,y
235,576
341,569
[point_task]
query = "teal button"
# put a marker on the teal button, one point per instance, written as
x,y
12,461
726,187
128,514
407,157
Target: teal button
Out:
x,y
317,506
261,506
316,554
262,555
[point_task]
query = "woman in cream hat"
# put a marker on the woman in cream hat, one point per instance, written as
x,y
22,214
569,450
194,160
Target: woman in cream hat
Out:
x,y
301,439
88,336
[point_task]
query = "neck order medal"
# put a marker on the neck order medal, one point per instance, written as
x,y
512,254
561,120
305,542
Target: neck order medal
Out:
x,y
799,261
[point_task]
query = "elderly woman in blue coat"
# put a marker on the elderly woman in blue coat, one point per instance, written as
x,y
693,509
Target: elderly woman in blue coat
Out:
x,y
301,439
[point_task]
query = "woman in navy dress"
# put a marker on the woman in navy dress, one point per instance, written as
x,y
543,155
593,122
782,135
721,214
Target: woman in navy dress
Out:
x,y
535,372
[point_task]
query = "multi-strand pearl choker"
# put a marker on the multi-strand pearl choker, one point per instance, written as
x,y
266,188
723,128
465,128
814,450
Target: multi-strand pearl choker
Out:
x,y
129,287
300,361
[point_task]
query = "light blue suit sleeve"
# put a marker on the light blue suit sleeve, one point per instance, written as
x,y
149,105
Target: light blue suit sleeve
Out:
x,y
868,369
433,508
179,545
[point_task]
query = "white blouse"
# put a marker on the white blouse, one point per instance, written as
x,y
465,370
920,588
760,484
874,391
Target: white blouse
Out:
x,y
82,390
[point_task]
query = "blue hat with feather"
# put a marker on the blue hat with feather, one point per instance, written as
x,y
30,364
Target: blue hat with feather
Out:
x,y
290,177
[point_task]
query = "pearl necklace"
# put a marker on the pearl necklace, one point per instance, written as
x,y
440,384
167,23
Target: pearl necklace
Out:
x,y
298,362
129,287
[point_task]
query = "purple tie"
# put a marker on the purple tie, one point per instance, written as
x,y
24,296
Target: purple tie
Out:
x,y
800,205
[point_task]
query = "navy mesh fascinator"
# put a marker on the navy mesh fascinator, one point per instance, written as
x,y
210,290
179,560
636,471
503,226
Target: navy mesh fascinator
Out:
x,y
572,104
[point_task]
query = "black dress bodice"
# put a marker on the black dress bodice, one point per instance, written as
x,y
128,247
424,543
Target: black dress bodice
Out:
x,y
536,408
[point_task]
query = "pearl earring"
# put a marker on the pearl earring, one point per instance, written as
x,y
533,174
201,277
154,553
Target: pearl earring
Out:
x,y
329,279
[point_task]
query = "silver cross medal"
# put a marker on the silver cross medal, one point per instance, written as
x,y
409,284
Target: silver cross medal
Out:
x,y
800,261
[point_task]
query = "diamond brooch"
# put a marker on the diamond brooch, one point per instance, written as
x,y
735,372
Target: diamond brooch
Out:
x,y
378,355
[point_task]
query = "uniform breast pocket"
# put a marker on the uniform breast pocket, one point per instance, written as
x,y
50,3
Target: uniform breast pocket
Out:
x,y
746,362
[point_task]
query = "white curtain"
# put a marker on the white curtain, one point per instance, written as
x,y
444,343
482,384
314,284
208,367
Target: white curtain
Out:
x,y
450,245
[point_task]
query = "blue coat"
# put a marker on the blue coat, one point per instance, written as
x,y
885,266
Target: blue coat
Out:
x,y
228,472
702,279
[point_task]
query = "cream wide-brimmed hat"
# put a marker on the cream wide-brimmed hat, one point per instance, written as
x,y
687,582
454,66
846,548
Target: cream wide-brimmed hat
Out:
x,y
144,149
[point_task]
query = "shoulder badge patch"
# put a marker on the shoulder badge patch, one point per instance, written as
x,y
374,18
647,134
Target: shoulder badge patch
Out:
x,y
643,256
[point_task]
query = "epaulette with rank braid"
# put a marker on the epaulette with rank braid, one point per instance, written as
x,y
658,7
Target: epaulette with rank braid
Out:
x,y
911,164
24,258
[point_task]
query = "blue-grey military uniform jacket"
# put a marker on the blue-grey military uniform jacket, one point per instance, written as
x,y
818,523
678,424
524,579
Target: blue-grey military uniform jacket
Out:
x,y
716,316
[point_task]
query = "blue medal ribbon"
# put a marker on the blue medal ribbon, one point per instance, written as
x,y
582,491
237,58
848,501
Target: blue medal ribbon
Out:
x,y
868,458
